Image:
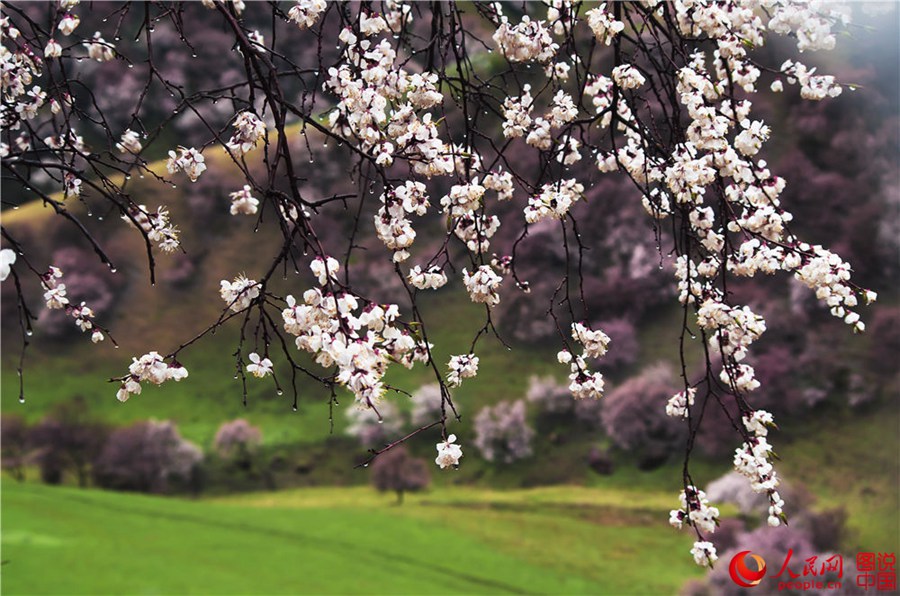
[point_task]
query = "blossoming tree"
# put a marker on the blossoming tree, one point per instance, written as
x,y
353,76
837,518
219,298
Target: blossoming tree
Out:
x,y
452,120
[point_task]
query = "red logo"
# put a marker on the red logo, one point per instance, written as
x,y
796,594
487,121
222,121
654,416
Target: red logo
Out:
x,y
741,574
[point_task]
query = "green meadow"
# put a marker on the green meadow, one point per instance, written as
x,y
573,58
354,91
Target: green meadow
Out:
x,y
327,540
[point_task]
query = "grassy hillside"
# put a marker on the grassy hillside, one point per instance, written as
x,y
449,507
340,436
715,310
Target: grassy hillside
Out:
x,y
161,317
339,541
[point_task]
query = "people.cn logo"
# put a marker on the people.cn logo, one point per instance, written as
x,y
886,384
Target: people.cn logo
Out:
x,y
741,574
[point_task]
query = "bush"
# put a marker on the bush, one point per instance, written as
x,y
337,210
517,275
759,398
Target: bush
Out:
x,y
634,416
502,434
67,439
828,528
554,400
549,396
600,461
623,341
237,440
397,471
885,346
14,444
148,456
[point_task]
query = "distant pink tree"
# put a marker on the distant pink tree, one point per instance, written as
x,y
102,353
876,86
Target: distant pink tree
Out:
x,y
502,432
147,456
398,471
634,420
237,439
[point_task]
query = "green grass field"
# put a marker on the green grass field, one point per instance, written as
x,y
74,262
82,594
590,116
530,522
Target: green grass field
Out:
x,y
560,540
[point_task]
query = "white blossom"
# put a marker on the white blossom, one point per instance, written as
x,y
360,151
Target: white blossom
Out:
x,y
53,49
431,279
461,367
187,159
130,142
483,285
259,368
324,269
248,130
627,76
526,42
305,13
240,293
68,23
448,453
243,202
99,49
7,259
604,26
704,553
680,403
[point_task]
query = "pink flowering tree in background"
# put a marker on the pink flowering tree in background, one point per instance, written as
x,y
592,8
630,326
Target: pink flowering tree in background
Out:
x,y
471,138
237,440
398,471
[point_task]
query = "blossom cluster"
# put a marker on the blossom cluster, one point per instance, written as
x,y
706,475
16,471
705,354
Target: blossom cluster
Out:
x,y
679,404
55,298
188,160
752,460
430,279
360,340
449,453
240,293
150,367
305,13
156,225
554,201
582,382
695,511
243,202
248,130
130,142
464,366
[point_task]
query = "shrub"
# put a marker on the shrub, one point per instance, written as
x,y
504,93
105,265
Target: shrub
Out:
x,y
502,434
554,399
600,461
67,439
885,346
14,444
549,396
624,341
634,416
237,440
148,456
